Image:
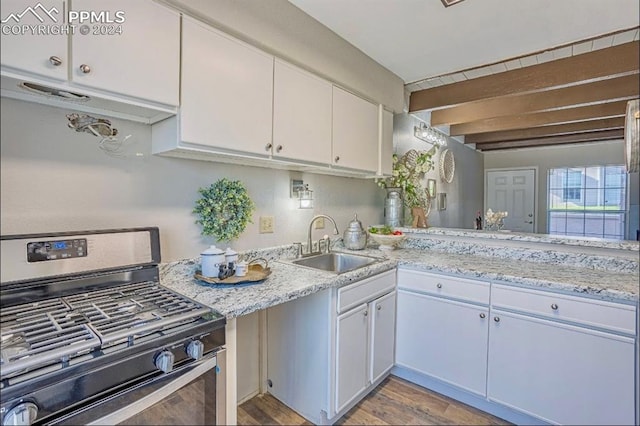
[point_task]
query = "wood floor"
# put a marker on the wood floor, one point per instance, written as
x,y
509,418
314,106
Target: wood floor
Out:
x,y
394,402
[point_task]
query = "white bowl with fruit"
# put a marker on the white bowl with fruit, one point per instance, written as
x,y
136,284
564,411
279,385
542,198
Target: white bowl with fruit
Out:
x,y
387,237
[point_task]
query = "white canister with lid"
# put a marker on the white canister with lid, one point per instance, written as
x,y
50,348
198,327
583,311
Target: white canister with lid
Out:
x,y
211,260
230,256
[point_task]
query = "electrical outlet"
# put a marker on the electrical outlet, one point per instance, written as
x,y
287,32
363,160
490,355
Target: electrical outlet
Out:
x,y
266,224
319,223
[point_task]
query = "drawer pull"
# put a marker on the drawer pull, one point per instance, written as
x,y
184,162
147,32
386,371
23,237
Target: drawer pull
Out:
x,y
86,69
268,147
439,285
554,306
482,315
55,61
496,319
379,307
365,313
279,148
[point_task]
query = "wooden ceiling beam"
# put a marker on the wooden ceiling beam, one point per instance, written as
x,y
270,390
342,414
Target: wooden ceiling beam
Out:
x,y
542,131
620,59
554,140
618,88
523,121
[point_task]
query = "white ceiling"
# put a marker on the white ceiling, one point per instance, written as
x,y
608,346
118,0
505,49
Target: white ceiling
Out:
x,y
419,39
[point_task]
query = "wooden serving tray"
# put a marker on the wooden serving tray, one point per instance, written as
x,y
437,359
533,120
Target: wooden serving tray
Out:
x,y
255,273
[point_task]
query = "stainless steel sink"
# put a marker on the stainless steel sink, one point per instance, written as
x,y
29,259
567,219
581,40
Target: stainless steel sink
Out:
x,y
337,263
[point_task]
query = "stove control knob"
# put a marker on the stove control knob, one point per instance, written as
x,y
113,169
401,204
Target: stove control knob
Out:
x,y
22,414
195,349
164,361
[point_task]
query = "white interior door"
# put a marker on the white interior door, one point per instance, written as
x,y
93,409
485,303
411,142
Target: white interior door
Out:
x,y
513,191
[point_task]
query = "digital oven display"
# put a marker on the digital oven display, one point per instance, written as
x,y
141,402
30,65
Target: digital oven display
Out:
x,y
42,251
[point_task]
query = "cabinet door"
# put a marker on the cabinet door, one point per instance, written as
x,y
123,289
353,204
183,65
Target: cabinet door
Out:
x,y
560,373
143,61
383,331
351,355
28,52
355,132
301,115
386,142
227,91
444,339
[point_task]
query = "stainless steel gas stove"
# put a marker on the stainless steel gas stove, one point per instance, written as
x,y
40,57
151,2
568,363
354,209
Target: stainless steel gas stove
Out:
x,y
90,336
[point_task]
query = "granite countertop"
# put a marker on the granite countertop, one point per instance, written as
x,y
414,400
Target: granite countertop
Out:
x,y
528,237
288,282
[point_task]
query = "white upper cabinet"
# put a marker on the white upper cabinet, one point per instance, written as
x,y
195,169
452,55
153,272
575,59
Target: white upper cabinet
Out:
x,y
134,51
32,53
355,132
143,61
301,115
227,91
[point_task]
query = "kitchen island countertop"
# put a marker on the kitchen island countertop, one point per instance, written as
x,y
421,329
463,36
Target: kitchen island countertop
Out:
x,y
288,282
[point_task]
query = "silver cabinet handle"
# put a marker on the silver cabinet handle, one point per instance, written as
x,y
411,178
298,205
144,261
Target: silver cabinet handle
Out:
x,y
279,148
379,307
86,69
55,61
482,315
554,306
337,158
365,313
496,319
268,147
439,285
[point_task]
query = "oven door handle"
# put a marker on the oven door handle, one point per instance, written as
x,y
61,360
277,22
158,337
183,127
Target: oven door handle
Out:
x,y
123,414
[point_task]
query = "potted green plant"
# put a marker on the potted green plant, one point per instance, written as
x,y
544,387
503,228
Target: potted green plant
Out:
x,y
407,175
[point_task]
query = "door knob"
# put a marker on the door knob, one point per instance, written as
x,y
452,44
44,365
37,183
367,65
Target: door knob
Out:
x,y
55,61
86,69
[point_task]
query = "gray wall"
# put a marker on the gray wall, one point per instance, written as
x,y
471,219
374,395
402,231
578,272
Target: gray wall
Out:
x,y
465,194
592,154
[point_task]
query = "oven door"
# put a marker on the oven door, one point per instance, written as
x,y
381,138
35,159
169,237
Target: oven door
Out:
x,y
193,395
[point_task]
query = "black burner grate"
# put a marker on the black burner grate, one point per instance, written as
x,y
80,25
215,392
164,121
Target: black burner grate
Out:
x,y
55,330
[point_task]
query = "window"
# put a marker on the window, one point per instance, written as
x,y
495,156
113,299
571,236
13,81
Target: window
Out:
x,y
587,201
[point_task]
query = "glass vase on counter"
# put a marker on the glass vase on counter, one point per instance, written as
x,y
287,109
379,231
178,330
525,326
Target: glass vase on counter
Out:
x,y
393,207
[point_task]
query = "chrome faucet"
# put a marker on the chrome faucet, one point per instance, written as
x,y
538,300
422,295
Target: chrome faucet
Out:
x,y
309,242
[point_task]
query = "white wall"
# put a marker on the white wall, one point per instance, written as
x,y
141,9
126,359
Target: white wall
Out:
x,y
465,193
282,29
591,154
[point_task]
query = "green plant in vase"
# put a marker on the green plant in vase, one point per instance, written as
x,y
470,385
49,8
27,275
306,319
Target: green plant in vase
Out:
x,y
407,174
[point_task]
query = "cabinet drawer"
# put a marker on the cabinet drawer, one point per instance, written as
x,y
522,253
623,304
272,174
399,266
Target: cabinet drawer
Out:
x,y
365,290
595,313
444,286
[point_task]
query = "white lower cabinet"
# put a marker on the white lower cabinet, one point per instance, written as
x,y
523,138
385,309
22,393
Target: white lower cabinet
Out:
x,y
352,332
561,373
441,335
327,350
444,339
383,332
564,359
550,357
